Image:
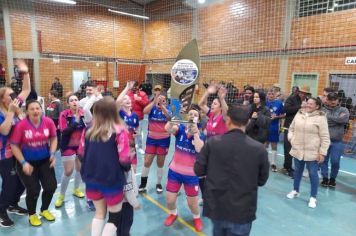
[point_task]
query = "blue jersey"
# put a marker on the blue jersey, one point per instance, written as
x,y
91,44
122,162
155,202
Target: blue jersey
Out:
x,y
276,108
131,121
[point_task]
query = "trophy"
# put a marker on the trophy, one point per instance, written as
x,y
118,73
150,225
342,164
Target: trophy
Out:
x,y
185,76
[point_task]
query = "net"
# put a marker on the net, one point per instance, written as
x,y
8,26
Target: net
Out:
x,y
265,44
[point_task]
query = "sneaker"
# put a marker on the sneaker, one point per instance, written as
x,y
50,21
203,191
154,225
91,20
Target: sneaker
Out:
x,y
274,168
78,193
305,174
312,202
90,205
159,188
47,215
34,220
325,182
59,201
170,220
143,185
5,221
293,194
198,224
17,210
332,183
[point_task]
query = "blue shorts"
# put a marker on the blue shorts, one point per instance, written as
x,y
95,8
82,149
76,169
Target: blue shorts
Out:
x,y
190,183
273,135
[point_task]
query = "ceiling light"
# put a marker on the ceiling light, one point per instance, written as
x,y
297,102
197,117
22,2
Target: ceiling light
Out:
x,y
129,14
65,1
201,1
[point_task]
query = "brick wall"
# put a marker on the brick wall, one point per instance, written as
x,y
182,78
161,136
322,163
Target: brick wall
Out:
x,y
258,72
332,29
240,26
321,65
165,38
63,70
89,31
20,21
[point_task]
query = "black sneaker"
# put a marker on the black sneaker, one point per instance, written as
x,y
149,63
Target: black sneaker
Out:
x,y
325,182
274,168
143,186
17,210
5,221
332,183
159,188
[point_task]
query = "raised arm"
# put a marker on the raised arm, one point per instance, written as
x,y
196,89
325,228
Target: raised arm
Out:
x,y
222,94
120,98
204,99
26,84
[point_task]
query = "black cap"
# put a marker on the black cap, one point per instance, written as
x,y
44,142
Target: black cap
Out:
x,y
332,96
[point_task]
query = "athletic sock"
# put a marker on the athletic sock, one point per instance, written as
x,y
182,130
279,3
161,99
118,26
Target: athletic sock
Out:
x,y
159,175
97,226
145,171
64,183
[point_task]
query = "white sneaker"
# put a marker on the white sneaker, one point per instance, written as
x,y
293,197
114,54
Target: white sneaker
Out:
x,y
312,202
305,174
293,194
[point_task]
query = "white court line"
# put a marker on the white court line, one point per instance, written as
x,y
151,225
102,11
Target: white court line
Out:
x,y
342,171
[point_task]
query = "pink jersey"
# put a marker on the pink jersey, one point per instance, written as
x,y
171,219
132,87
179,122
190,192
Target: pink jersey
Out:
x,y
185,155
216,125
34,141
71,131
156,122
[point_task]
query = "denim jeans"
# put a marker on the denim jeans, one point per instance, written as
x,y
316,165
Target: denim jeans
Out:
x,y
334,154
227,228
312,167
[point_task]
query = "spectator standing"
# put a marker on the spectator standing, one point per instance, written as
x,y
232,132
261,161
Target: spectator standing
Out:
x,y
56,85
242,162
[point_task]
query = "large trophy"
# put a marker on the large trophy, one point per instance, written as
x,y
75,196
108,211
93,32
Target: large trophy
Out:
x,y
185,76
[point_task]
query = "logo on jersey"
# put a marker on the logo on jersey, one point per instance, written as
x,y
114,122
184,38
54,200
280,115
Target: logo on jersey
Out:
x,y
28,134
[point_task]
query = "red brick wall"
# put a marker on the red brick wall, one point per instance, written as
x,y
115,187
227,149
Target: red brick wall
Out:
x,y
240,26
21,30
332,29
63,70
321,65
165,38
258,72
88,31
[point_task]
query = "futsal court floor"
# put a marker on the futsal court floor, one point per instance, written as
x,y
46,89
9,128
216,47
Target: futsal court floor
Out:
x,y
276,215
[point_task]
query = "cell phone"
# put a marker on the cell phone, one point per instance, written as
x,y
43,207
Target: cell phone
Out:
x,y
13,95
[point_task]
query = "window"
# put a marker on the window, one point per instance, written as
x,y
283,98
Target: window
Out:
x,y
315,7
300,79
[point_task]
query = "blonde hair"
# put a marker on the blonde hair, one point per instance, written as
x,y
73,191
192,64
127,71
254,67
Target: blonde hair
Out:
x,y
105,120
2,94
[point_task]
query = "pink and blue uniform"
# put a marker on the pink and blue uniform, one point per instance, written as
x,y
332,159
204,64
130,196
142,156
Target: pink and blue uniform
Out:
x,y
158,139
181,168
103,166
216,125
5,149
71,132
132,123
34,141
